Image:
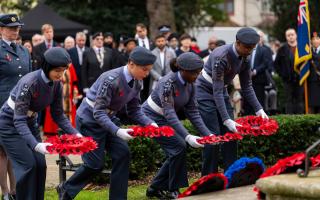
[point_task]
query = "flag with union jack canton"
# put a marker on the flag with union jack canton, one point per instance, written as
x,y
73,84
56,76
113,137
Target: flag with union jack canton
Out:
x,y
303,51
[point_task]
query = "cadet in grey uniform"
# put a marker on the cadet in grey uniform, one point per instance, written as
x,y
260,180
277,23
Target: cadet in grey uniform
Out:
x,y
18,122
175,92
213,99
15,62
95,117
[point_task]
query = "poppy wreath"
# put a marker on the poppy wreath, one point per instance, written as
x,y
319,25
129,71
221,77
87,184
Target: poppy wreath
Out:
x,y
209,183
251,125
244,171
256,126
285,165
70,144
152,131
213,139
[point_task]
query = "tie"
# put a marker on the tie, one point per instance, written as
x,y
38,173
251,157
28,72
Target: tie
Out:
x,y
143,44
131,83
13,46
49,46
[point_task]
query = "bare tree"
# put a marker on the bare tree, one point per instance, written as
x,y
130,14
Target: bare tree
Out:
x,y
160,12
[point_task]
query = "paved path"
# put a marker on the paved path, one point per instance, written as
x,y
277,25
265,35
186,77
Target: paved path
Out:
x,y
241,193
53,169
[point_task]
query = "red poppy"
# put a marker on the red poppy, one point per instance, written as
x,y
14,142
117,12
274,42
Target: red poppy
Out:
x,y
70,144
121,93
152,131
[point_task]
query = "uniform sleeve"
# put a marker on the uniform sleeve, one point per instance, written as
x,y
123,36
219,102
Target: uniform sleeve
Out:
x,y
192,112
22,103
135,112
167,101
103,99
57,113
247,89
218,69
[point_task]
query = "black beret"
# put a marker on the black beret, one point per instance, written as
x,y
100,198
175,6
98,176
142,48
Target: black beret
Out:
x,y
189,61
248,36
57,57
10,20
97,34
142,56
173,35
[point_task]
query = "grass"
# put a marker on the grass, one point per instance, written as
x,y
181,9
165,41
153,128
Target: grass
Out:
x,y
134,193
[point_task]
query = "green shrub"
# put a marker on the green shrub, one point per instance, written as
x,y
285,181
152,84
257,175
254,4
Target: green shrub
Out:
x,y
295,134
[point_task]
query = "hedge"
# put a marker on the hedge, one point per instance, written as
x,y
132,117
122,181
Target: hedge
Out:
x,y
295,134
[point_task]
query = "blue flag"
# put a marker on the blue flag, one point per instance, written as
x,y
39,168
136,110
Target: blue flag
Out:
x,y
303,51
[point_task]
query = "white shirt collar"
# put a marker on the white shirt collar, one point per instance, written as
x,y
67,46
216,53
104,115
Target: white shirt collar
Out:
x,y
127,74
7,41
44,77
181,79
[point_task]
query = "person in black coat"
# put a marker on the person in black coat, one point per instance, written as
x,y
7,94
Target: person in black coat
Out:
x,y
38,51
76,55
96,60
260,62
314,77
284,66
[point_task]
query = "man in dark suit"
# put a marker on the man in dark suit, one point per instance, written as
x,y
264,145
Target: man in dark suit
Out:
x,y
260,62
76,54
96,60
38,51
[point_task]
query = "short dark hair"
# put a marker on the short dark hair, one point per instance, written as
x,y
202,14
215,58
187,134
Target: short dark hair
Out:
x,y
184,36
159,36
141,25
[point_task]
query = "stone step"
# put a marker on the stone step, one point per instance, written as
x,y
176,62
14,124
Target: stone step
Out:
x,y
290,186
240,193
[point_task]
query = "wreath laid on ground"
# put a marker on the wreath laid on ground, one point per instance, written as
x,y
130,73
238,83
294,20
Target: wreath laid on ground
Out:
x,y
209,183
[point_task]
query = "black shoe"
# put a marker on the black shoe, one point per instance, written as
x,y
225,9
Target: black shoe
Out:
x,y
155,193
63,195
173,194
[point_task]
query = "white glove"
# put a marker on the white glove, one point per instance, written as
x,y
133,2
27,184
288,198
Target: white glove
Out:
x,y
42,148
192,141
85,90
79,135
154,124
123,133
231,125
262,114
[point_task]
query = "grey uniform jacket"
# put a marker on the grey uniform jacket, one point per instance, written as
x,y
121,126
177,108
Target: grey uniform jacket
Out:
x,y
13,65
222,66
33,94
110,93
172,95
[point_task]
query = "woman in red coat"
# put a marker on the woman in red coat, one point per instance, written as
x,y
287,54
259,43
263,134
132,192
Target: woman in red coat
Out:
x,y
70,96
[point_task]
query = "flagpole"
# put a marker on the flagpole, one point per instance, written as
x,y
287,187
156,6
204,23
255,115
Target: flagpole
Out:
x,y
306,96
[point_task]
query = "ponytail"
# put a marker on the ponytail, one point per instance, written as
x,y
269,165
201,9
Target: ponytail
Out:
x,y
173,65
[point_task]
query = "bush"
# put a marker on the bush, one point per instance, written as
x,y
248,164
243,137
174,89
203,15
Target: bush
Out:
x,y
295,134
